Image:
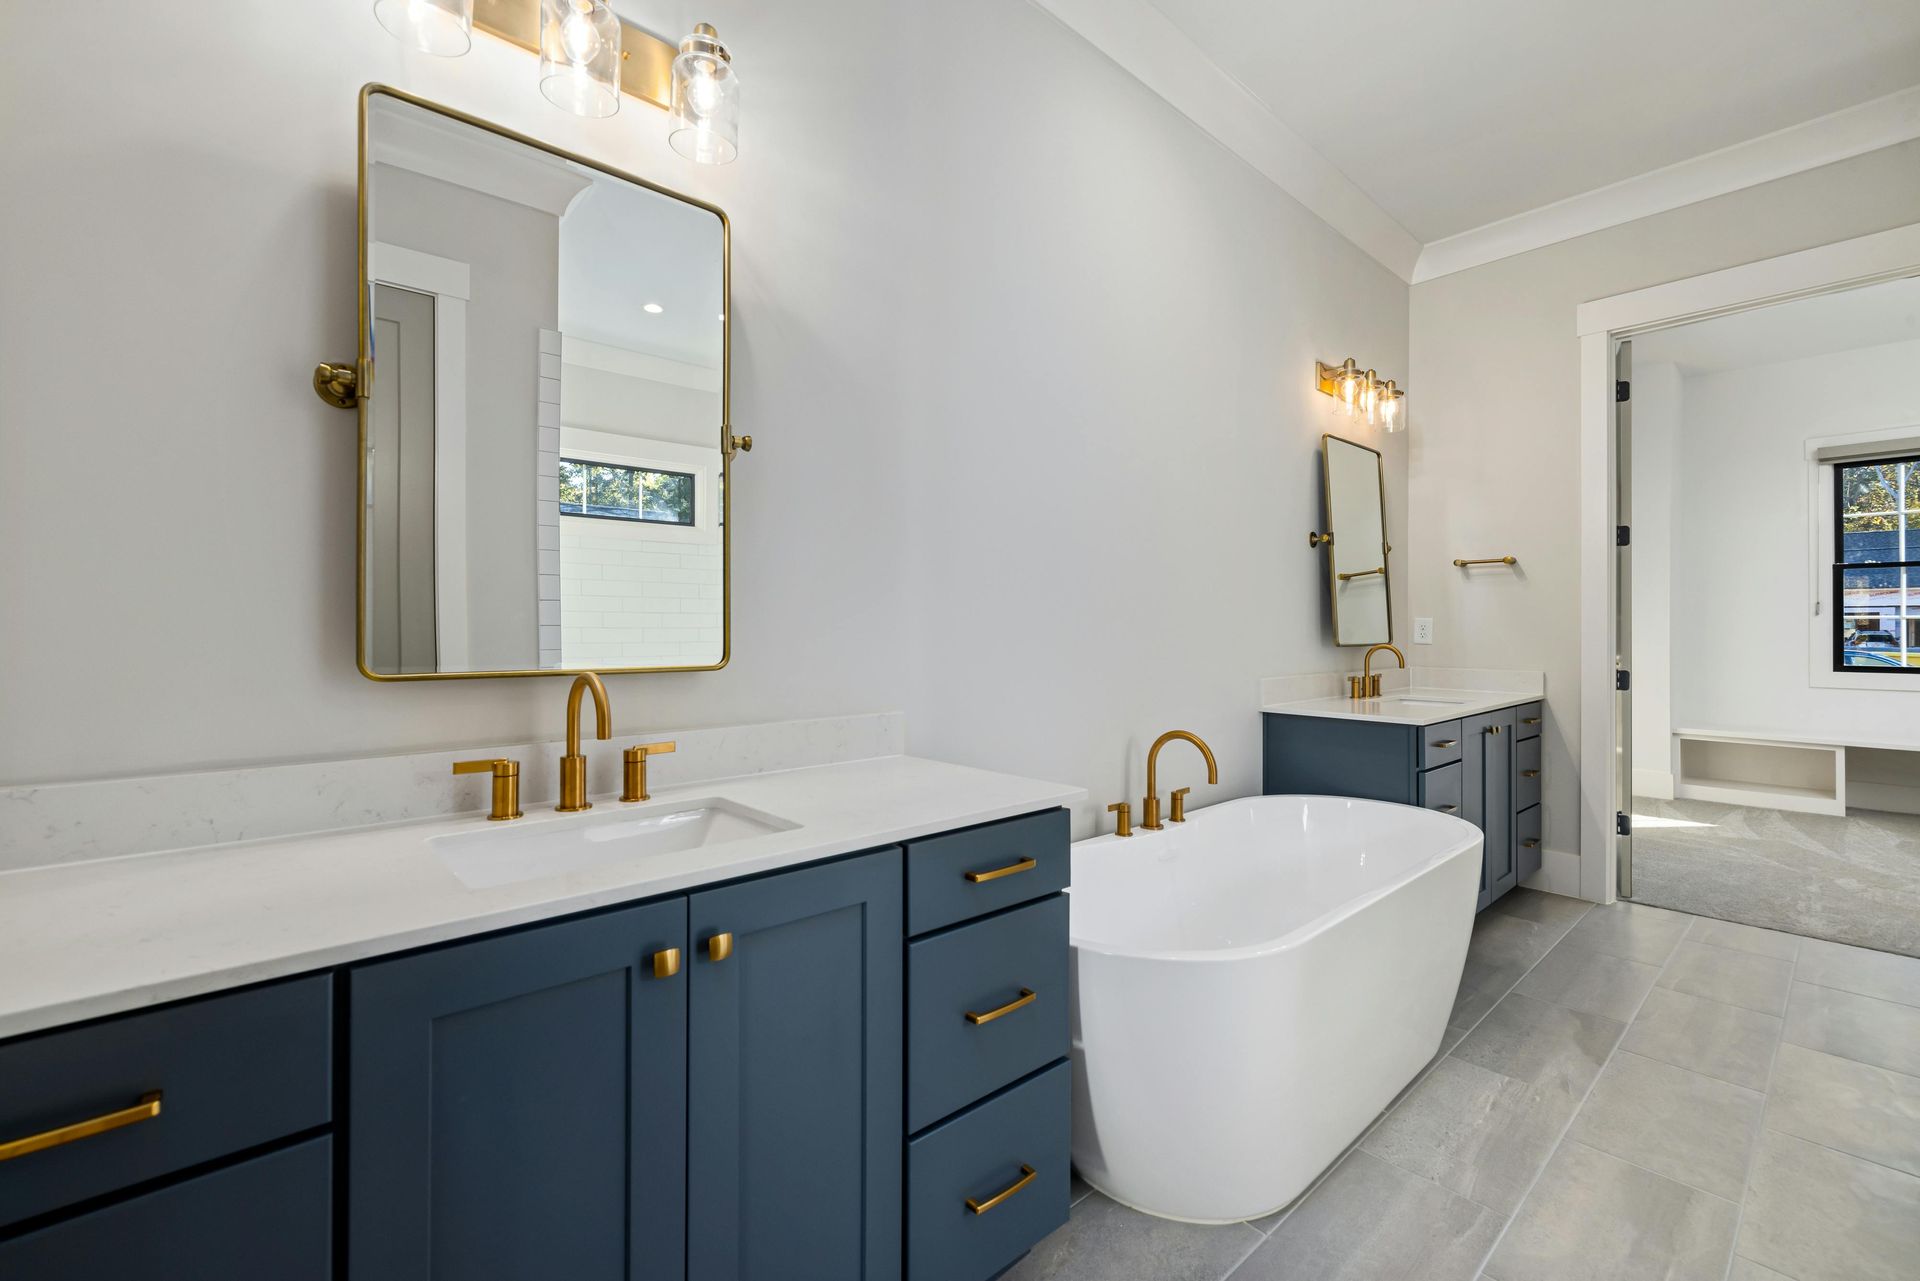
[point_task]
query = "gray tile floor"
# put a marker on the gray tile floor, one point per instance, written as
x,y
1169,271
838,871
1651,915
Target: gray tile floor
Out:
x,y
1625,1093
1852,880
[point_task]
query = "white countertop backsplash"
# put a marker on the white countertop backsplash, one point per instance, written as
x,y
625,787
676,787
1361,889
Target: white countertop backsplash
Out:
x,y
43,824
85,939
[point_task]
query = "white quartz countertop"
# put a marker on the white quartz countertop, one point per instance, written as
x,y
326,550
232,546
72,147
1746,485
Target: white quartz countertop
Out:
x,y
86,939
1406,707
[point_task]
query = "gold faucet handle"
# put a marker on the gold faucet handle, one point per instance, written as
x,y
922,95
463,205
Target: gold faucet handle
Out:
x,y
1179,814
633,769
506,785
1122,826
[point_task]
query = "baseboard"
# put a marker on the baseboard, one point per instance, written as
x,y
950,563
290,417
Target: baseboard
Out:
x,y
1891,798
1656,784
1559,874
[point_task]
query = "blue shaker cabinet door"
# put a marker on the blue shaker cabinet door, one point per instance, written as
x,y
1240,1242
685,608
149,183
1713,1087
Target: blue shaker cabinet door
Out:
x,y
518,1106
795,1076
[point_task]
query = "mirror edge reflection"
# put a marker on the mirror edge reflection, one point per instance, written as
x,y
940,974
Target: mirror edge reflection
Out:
x,y
1327,441
363,293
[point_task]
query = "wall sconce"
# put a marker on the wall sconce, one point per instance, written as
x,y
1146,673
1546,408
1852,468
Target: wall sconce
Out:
x,y
589,57
1362,392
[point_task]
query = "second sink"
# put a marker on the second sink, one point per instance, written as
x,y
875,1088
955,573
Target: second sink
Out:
x,y
503,856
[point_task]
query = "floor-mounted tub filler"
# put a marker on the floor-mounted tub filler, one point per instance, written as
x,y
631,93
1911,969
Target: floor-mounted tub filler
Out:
x,y
1252,987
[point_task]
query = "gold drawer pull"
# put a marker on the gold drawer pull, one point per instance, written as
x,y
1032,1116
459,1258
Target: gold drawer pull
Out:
x,y
1446,809
981,1207
1448,742
1529,773
720,946
145,1110
1026,997
1531,843
666,962
1529,720
1024,865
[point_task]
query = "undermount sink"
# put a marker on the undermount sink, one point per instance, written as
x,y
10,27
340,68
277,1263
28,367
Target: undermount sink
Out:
x,y
1412,701
507,854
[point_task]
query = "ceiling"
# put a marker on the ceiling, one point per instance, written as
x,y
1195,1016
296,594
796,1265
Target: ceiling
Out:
x,y
1454,118
1819,326
623,247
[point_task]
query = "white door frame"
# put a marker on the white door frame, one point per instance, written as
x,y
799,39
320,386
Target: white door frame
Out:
x,y
1846,264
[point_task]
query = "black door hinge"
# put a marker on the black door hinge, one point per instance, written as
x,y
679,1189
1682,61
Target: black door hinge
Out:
x,y
1623,824
1623,679
1623,536
1622,390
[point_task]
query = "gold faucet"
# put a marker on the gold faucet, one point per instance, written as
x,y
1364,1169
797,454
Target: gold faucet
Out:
x,y
1150,807
1367,684
573,766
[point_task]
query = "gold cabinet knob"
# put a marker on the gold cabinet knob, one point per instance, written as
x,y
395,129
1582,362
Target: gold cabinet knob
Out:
x,y
720,947
666,962
506,785
633,770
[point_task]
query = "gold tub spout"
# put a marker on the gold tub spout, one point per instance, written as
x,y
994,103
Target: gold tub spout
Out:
x,y
1151,805
573,766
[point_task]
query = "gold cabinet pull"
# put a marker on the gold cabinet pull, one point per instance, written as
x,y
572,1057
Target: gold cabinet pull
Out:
x,y
720,947
1024,865
145,1110
1493,729
1026,997
1529,720
1529,773
1531,843
1447,742
981,1207
666,962
1446,809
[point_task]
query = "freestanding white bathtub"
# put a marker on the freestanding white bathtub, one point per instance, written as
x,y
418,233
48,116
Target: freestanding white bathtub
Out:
x,y
1252,987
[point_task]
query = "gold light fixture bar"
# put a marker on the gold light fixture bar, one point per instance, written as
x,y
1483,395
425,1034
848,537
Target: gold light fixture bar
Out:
x,y
646,61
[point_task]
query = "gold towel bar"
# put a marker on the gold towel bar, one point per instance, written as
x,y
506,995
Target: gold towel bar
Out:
x,y
1490,560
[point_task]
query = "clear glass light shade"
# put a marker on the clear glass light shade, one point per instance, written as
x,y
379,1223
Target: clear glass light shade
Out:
x,y
706,100
1391,407
580,56
443,28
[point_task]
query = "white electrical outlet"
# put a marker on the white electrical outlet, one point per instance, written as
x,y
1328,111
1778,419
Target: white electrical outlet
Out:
x,y
1423,631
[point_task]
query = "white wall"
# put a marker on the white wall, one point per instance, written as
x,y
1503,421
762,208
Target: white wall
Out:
x,y
1493,399
1028,376
1741,638
1658,405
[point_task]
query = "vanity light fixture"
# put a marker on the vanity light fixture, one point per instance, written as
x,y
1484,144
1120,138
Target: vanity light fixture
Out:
x,y
443,28
1362,392
706,100
589,57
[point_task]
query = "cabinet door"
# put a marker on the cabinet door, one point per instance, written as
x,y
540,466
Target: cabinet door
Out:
x,y
794,1094
517,1106
1493,736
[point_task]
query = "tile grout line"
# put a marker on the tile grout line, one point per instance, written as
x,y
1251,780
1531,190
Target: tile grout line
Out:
x,y
1766,1096
1586,1095
1407,1090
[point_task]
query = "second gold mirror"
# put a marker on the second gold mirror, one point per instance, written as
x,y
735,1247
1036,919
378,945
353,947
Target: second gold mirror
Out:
x,y
1357,562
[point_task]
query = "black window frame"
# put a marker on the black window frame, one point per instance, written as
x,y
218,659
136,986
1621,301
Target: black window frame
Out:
x,y
693,495
1840,568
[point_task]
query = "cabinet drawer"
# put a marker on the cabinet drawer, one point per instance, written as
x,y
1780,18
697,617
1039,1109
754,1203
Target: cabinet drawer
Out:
x,y
1526,839
1439,744
1440,789
231,1071
978,1156
270,1217
1016,960
1526,773
966,874
1527,720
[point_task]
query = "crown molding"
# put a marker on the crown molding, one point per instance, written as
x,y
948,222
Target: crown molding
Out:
x,y
1148,46
1883,122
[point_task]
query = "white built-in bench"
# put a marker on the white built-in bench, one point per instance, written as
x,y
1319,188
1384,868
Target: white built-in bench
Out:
x,y
1804,773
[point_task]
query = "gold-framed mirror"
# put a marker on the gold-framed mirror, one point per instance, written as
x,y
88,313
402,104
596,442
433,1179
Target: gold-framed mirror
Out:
x,y
542,386
1359,580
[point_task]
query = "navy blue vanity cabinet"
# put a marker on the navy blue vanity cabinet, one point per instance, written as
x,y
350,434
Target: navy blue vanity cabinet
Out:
x,y
988,1102
517,1106
794,1093
1483,768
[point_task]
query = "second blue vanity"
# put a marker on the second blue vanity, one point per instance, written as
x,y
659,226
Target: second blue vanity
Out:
x,y
1451,752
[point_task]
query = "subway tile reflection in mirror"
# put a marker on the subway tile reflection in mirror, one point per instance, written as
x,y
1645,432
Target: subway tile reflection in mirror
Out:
x,y
543,437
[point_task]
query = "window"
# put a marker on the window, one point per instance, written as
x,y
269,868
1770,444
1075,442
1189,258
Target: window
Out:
x,y
614,491
1876,572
